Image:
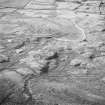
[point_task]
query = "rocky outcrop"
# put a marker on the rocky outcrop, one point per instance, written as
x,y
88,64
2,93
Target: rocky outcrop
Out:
x,y
52,52
13,3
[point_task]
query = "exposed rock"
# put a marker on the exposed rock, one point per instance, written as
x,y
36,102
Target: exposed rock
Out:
x,y
24,71
13,3
3,59
52,52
